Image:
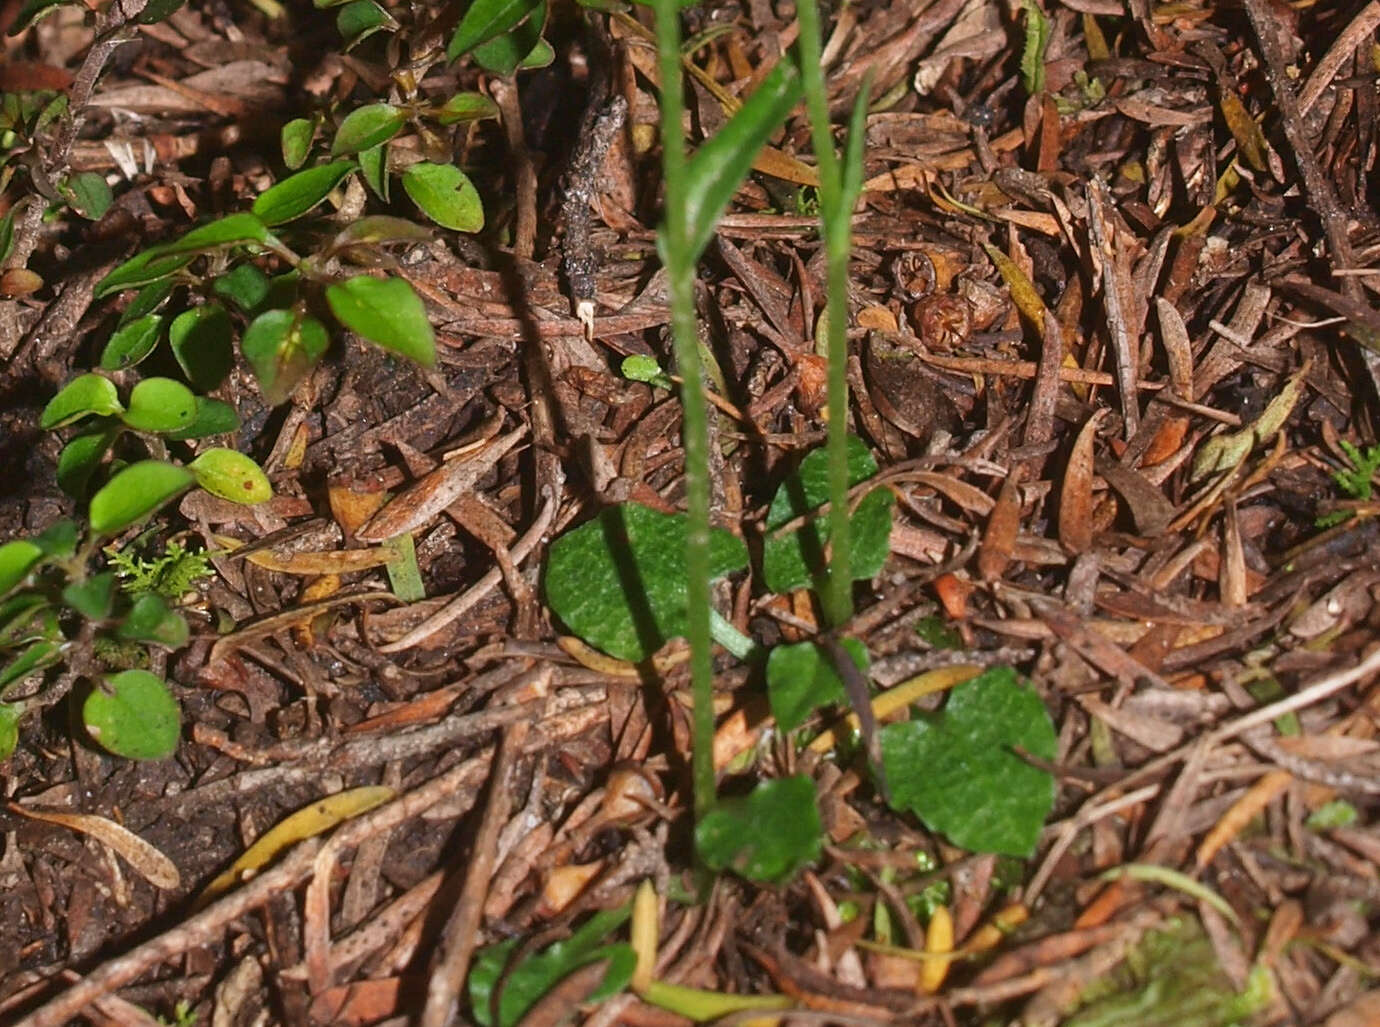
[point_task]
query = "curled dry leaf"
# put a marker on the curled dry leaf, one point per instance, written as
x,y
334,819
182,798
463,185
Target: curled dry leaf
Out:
x,y
1075,497
148,861
438,490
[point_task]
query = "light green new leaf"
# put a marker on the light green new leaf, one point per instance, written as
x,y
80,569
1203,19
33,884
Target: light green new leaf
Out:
x,y
367,126
485,20
387,312
720,165
86,396
135,493
10,714
231,475
959,773
767,835
445,194
132,714
1036,42
160,405
299,193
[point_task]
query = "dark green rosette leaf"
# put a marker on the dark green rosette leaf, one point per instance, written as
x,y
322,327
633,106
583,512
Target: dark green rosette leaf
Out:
x,y
387,312
768,835
131,343
85,396
796,559
538,973
299,193
132,714
367,126
282,346
231,475
801,678
445,194
485,20
958,770
150,620
160,405
203,341
135,493
618,581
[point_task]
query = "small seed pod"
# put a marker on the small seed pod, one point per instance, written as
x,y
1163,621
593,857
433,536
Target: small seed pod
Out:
x,y
913,274
942,323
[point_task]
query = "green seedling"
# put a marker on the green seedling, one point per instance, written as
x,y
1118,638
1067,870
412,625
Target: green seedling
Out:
x,y
1355,481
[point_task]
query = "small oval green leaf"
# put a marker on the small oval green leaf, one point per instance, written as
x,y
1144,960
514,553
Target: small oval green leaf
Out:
x,y
506,53
85,396
10,714
485,20
133,715
373,165
134,493
213,417
387,312
296,138
231,475
246,287
299,193
148,300
160,405
367,126
801,678
360,19
131,343
282,346
17,558
202,340
150,620
93,598
89,194
465,107
79,459
445,194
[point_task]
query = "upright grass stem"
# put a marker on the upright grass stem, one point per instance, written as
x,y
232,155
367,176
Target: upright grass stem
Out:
x,y
679,261
834,218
